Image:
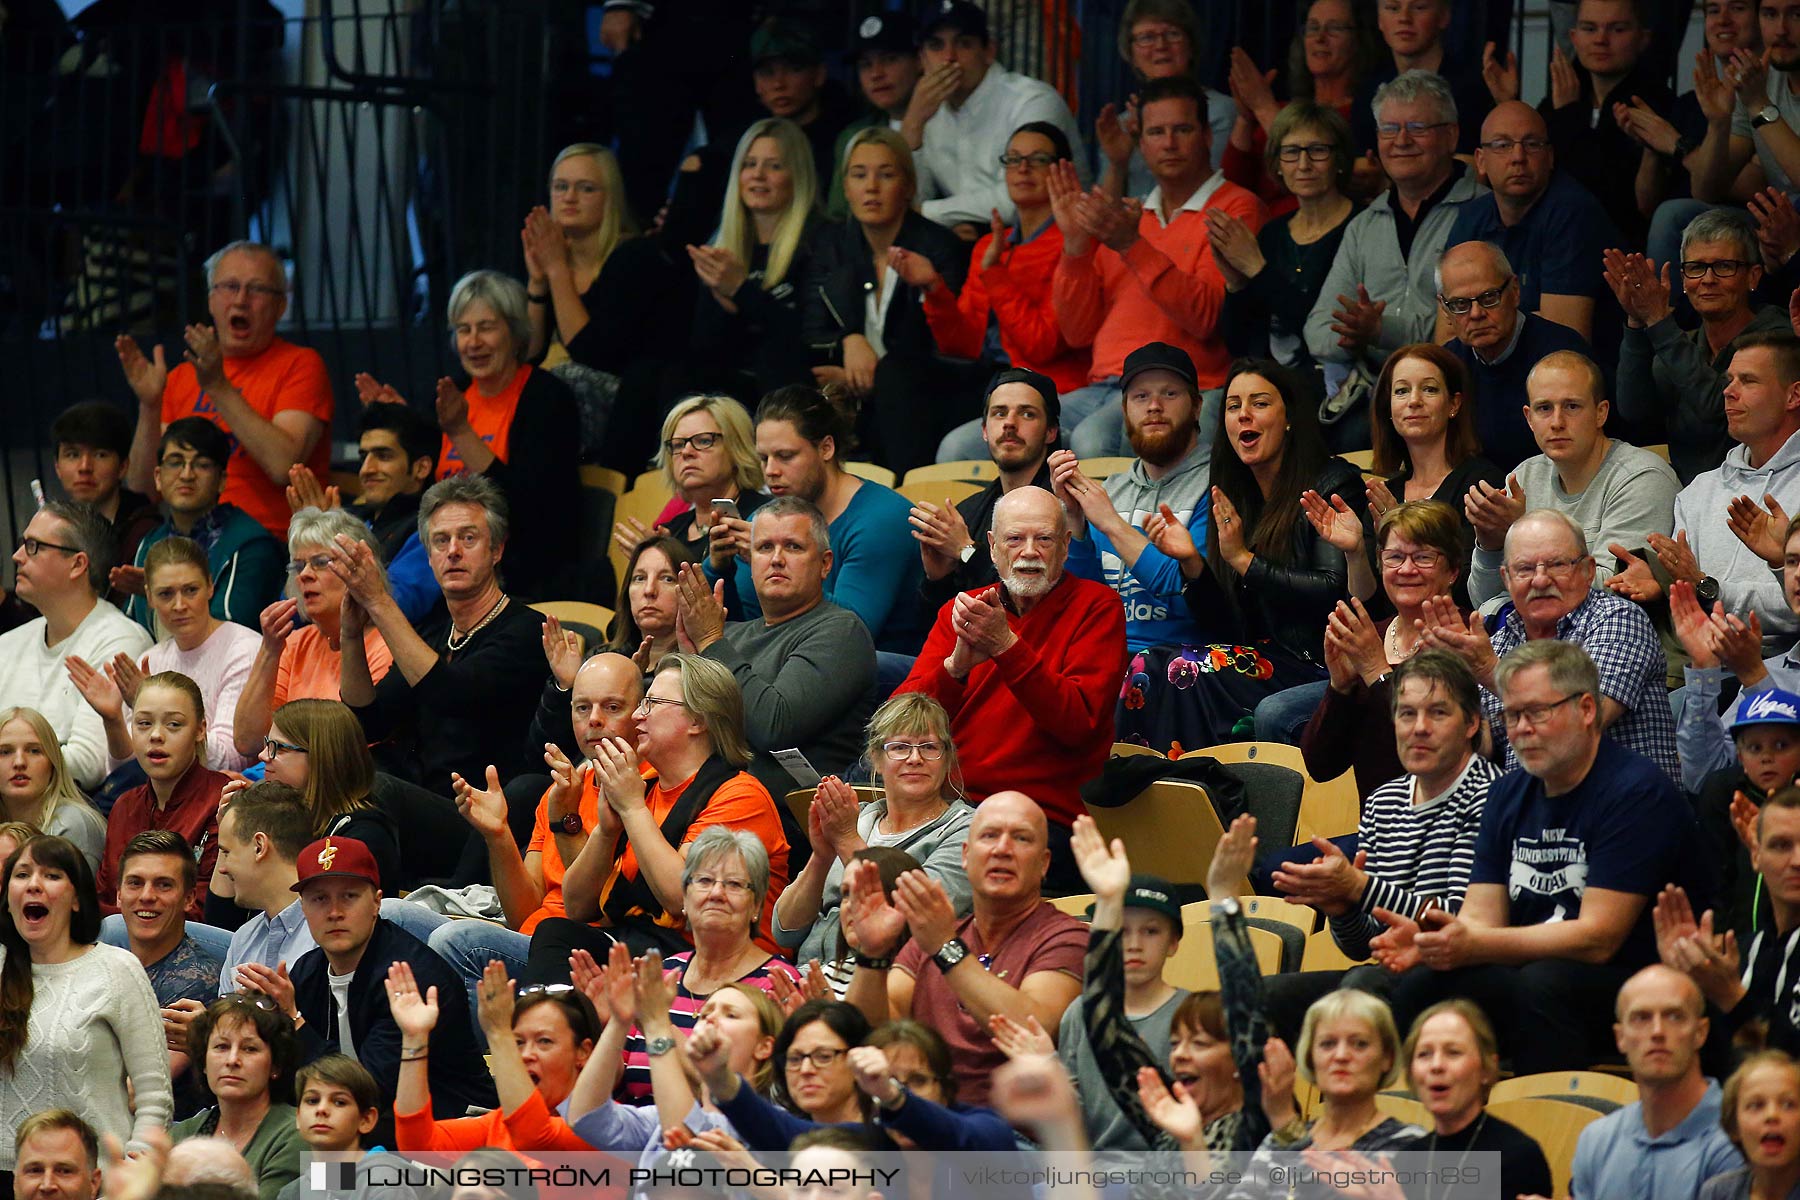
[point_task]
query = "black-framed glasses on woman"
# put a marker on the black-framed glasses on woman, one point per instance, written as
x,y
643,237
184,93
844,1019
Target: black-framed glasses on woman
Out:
x,y
1314,151
1723,268
1040,161
275,746
700,441
820,1059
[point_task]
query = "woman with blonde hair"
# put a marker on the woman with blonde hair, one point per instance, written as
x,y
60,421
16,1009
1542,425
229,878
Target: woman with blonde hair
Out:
x,y
36,788
920,811
865,324
1452,1060
745,321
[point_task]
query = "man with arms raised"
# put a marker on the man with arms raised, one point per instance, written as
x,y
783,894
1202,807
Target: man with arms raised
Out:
x,y
1029,671
271,396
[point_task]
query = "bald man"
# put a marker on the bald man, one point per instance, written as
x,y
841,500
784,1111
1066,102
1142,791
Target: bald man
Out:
x,y
1013,954
602,696
1541,217
1669,1142
1028,670
210,1159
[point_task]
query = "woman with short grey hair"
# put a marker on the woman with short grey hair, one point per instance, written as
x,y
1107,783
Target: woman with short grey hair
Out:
x,y
513,424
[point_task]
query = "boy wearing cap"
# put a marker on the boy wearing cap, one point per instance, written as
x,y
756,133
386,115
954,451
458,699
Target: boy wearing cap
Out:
x,y
1148,937
887,71
337,993
971,105
1172,471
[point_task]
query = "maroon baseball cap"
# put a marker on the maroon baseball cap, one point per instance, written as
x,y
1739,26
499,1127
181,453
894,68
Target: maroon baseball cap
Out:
x,y
331,856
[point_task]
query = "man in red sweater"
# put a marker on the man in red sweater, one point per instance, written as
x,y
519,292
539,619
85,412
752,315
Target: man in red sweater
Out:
x,y
1029,672
1142,271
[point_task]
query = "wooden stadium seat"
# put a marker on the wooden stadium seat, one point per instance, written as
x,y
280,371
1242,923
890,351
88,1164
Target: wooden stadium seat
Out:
x,y
1403,1108
1273,908
1555,1125
348,484
1193,966
604,478
937,491
1131,750
1100,468
1076,906
1568,1085
1362,460
1328,808
651,480
871,472
1170,829
1323,954
1289,940
582,617
642,503
976,470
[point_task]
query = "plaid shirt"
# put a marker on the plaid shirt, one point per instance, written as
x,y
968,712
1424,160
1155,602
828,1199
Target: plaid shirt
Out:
x,y
1633,670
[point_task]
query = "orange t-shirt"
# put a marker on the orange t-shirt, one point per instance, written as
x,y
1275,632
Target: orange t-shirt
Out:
x,y
491,418
740,802
308,669
283,378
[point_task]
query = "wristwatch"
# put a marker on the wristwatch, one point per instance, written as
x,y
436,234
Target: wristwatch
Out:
x,y
1768,116
1707,590
953,952
899,1096
966,553
571,824
657,1047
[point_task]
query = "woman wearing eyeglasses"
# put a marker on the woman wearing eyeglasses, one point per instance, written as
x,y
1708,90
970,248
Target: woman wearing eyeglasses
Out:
x,y
1157,39
920,811
79,1025
1010,273
303,663
1273,276
248,1052
553,1030
216,655
317,747
725,883
168,731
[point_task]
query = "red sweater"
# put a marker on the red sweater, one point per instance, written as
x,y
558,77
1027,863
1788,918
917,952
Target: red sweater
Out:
x,y
1017,293
1164,288
193,812
1038,719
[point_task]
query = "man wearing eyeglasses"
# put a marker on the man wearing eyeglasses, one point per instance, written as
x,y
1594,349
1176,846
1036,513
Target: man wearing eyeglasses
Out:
x,y
271,396
248,566
337,992
1672,381
1540,216
1573,848
60,569
1549,577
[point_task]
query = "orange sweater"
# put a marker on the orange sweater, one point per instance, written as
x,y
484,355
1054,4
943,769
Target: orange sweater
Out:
x,y
532,1127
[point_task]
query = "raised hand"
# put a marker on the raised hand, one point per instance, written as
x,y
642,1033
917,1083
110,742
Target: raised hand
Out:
x,y
785,992
1232,859
872,925
1634,580
127,579
1641,289
1251,87
1565,84
837,809
546,247
1381,498
1645,125
452,407
1112,221
1397,949
1501,77
1692,626
204,354
913,268
980,620
146,376
272,982
1168,534
942,535
1234,247
96,687
927,909
370,390
1738,643
1713,93
589,978
1354,634
1748,72
1443,629
1276,1073
629,532
1233,538
1777,227
483,808
416,1015
653,989
621,782
1020,1039
305,491
1762,530
562,650
1334,521
1116,141
1357,319
1677,556
1673,920
620,981
1173,1111
998,237
1745,816
1105,868
494,1001
127,674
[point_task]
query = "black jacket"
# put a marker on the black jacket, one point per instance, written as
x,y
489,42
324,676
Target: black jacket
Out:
x,y
762,338
1286,602
843,273
541,476
392,523
456,1081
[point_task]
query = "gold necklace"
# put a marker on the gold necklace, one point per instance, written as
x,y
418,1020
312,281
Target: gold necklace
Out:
x,y
455,633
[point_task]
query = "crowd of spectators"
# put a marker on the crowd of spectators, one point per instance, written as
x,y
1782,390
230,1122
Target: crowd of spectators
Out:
x,y
1450,439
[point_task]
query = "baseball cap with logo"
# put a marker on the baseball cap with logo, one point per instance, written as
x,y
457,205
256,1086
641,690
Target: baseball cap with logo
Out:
x,y
958,14
336,856
1157,895
888,32
1771,707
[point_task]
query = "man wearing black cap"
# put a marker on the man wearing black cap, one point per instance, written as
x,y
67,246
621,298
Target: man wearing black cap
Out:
x,y
337,994
790,79
979,106
1173,470
887,71
1019,426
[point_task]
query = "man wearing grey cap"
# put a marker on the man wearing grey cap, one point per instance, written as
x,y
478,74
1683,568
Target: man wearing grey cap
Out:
x,y
978,105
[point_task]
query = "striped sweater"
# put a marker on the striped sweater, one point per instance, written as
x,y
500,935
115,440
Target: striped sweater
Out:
x,y
1417,853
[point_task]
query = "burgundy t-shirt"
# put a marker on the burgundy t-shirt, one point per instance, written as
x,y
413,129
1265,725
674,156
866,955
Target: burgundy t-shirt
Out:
x,y
1048,940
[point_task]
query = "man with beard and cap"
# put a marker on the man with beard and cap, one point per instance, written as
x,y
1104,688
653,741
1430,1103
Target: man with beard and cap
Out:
x,y
1161,399
1019,424
1029,671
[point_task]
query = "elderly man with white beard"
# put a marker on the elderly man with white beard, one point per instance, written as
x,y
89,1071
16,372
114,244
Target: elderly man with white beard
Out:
x,y
1029,671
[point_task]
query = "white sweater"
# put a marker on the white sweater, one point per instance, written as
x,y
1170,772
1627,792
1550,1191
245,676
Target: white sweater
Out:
x,y
32,674
220,665
94,1024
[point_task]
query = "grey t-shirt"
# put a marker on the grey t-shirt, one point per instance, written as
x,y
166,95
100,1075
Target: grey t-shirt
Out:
x,y
1782,97
1107,1126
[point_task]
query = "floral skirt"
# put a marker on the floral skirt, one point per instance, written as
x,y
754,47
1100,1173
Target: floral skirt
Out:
x,y
1178,698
